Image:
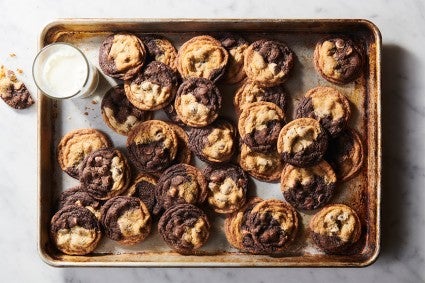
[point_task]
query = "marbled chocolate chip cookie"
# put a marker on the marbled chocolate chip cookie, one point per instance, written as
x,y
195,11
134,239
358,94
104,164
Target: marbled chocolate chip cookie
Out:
x,y
251,92
122,56
235,46
202,57
268,62
181,183
119,114
105,173
160,49
338,59
346,154
302,142
262,166
227,187
197,102
75,230
152,89
152,146
214,143
143,187
259,125
327,105
13,91
126,220
335,228
76,145
185,228
310,187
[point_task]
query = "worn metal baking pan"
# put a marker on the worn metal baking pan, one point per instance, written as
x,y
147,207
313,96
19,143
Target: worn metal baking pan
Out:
x,y
55,118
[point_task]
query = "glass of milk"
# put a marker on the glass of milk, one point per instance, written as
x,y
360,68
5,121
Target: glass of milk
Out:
x,y
61,70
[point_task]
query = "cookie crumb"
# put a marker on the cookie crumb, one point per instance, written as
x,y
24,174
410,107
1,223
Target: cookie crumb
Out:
x,y
19,71
94,101
12,55
86,113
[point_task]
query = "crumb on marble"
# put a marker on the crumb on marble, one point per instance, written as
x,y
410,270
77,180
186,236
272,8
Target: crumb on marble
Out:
x,y
86,113
12,55
19,71
94,101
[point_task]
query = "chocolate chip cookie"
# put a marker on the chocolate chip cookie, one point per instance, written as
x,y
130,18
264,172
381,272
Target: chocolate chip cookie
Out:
x,y
152,146
327,105
235,46
105,173
126,220
185,228
268,62
13,91
227,187
214,143
122,56
118,113
259,125
302,142
335,228
143,187
346,154
202,57
251,92
197,102
310,187
338,59
153,88
181,183
76,145
79,196
75,230
262,166
160,49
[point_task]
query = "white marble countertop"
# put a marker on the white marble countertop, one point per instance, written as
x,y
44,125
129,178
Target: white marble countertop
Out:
x,y
403,218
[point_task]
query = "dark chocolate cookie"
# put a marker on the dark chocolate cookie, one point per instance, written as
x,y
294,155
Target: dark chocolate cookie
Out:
x,y
13,91
215,142
235,46
268,62
197,102
327,105
302,142
122,56
251,92
202,57
75,230
126,220
181,183
143,187
308,188
118,113
259,125
338,59
152,146
160,49
185,228
79,196
335,228
227,187
345,154
153,88
105,173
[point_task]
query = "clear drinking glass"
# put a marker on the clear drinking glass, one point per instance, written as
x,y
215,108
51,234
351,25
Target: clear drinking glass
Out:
x,y
61,70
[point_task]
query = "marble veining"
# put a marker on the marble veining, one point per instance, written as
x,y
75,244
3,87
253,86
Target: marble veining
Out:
x,y
403,216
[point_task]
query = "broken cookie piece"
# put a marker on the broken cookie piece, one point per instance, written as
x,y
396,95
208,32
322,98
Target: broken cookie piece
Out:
x,y
13,91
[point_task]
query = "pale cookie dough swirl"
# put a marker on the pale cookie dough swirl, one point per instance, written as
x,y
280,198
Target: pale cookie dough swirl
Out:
x,y
75,230
185,228
202,57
